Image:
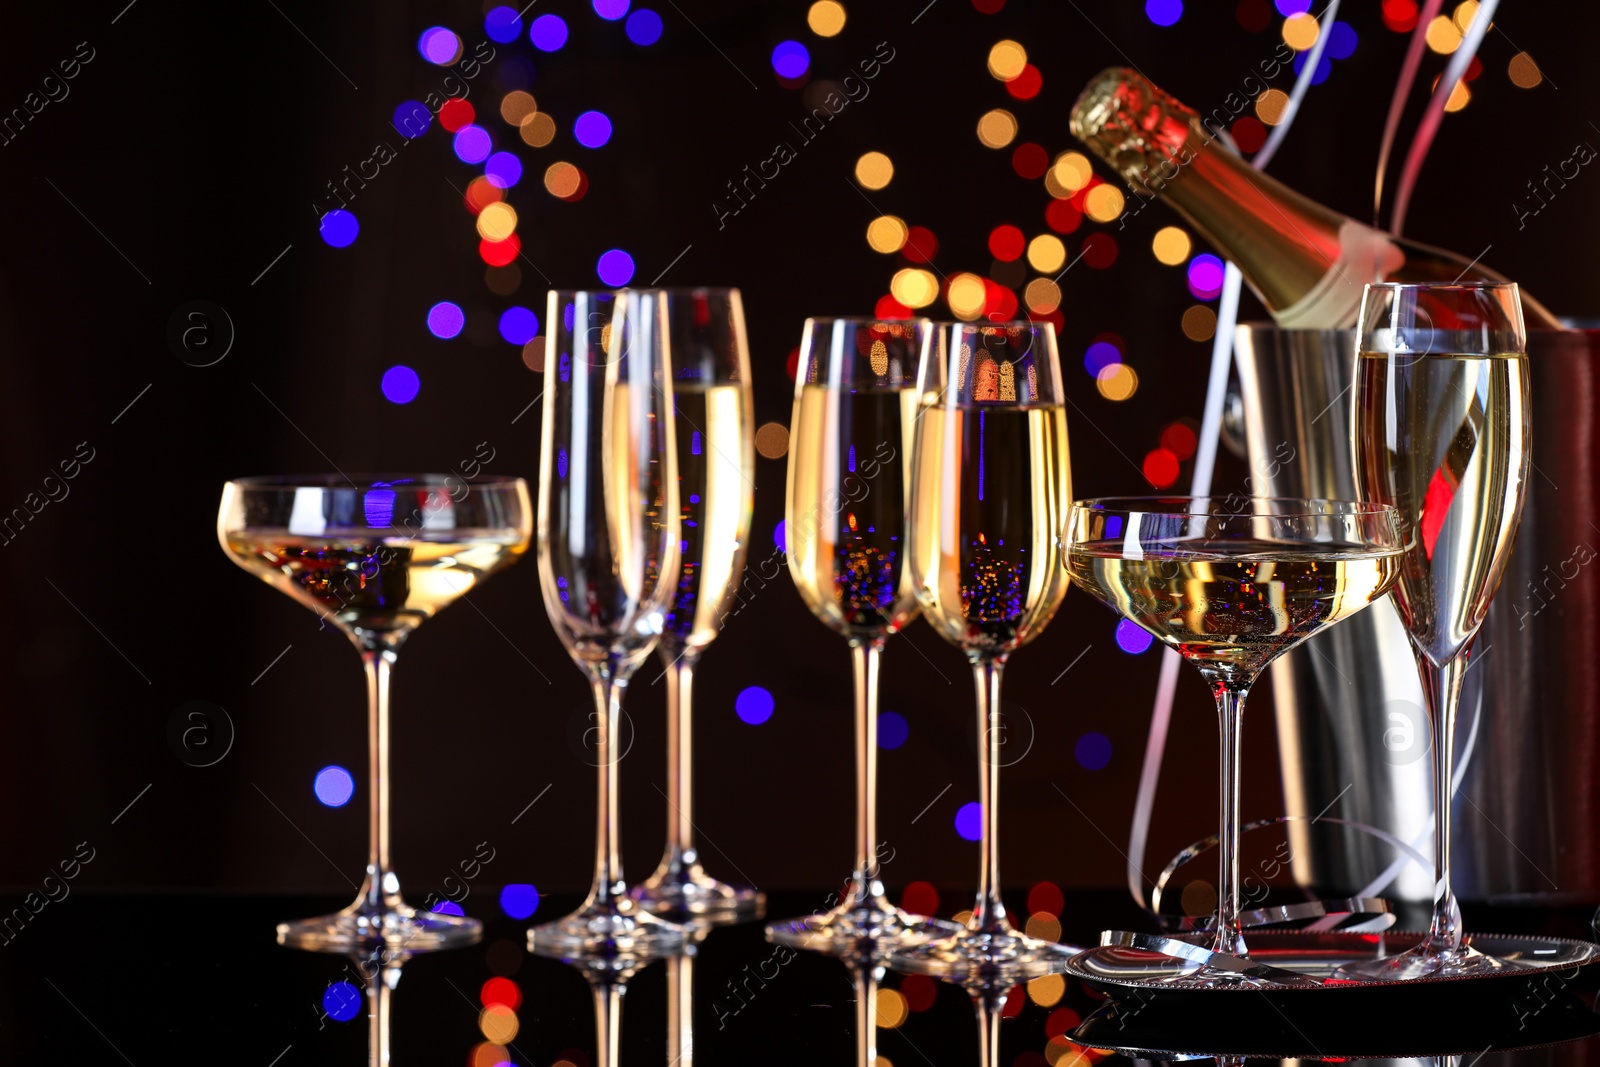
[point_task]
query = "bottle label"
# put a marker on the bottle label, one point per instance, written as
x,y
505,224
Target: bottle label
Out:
x,y
1365,255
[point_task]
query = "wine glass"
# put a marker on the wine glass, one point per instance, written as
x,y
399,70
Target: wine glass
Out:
x,y
609,530
376,556
1232,584
1441,432
846,528
713,413
992,485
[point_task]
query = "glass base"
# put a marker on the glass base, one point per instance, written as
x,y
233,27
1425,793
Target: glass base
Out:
x,y
870,927
686,889
985,956
398,927
614,928
1425,961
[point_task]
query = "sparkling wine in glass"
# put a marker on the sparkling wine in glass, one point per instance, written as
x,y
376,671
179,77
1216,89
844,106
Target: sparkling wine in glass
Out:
x,y
1231,584
610,531
991,489
1441,432
376,556
713,415
847,533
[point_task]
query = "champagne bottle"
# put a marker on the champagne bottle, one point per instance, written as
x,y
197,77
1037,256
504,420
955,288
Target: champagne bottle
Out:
x,y
1306,262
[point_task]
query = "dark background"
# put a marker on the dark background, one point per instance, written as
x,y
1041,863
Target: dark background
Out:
x,y
189,153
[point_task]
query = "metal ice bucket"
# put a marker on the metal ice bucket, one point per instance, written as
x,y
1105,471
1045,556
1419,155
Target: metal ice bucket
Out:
x,y
1353,735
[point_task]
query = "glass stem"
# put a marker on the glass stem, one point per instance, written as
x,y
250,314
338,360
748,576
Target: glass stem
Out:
x,y
866,1017
864,656
680,1010
1230,694
608,887
1442,688
990,1007
607,1021
681,853
989,914
382,888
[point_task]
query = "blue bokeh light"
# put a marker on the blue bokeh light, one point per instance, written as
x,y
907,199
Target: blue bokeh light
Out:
x,y
969,821
401,384
1205,276
502,24
518,325
1342,41
892,730
412,119
377,507
1093,751
1324,67
592,129
439,46
333,784
615,268
1131,637
473,144
753,705
445,320
1163,12
1100,355
519,900
611,10
503,170
791,60
447,907
339,228
341,1001
780,535
1292,7
548,32
644,27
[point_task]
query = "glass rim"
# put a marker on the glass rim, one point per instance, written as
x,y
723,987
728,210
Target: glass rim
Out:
x,y
365,481
1009,324
866,320
1354,508
1478,285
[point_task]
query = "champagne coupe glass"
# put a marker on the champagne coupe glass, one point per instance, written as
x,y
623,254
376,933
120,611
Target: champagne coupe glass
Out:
x,y
846,527
609,529
376,556
991,490
1441,432
1232,584
714,415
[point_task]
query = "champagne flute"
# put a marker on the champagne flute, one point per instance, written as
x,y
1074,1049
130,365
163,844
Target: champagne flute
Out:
x,y
1441,432
713,414
846,530
609,529
376,556
991,490
1232,584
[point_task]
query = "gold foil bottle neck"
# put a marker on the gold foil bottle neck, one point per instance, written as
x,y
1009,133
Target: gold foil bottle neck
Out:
x,y
1128,122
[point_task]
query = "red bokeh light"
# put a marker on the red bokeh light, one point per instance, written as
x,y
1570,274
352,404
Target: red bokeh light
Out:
x,y
1249,134
887,307
501,991
988,7
455,114
999,303
500,253
921,245
919,898
1400,15
1016,1000
481,193
1099,250
920,991
1161,468
1060,1022
1474,69
1054,317
1046,896
792,364
1030,160
1007,242
1026,86
1115,340
1179,439
1063,216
